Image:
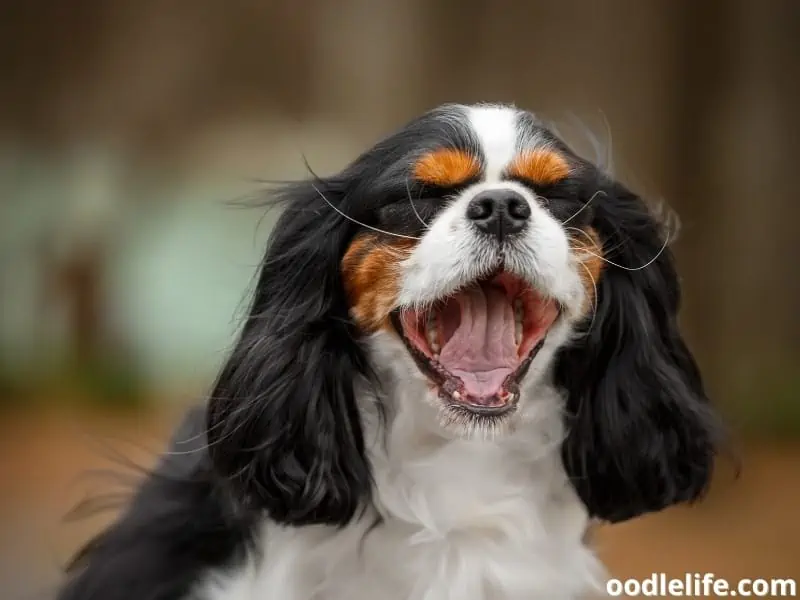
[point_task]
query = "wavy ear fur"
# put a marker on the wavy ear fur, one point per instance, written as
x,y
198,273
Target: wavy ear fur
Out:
x,y
641,434
283,425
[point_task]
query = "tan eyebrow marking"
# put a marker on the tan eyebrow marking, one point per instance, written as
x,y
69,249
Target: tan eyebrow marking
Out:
x,y
543,167
446,167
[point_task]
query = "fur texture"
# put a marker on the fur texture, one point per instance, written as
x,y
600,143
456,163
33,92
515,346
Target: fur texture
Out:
x,y
332,465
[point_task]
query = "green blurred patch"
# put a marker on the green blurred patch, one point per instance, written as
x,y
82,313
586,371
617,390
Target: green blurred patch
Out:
x,y
109,383
104,383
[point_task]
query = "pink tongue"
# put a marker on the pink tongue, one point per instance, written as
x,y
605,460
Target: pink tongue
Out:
x,y
481,351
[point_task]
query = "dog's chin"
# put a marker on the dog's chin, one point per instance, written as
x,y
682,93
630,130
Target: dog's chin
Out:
x,y
475,346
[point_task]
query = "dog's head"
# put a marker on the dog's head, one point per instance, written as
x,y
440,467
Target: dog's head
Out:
x,y
475,253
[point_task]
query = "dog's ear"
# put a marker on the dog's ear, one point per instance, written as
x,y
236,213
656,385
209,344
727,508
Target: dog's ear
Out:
x,y
283,426
641,435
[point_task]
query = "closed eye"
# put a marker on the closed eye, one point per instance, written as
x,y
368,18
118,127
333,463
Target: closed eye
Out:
x,y
562,199
418,203
410,214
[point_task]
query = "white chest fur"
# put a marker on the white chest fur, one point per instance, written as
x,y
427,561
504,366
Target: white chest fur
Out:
x,y
461,520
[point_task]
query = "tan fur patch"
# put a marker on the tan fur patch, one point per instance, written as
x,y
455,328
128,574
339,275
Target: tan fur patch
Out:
x,y
371,274
446,167
542,167
588,249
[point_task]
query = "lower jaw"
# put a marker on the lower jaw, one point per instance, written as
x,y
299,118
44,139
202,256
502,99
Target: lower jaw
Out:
x,y
494,411
466,421
503,402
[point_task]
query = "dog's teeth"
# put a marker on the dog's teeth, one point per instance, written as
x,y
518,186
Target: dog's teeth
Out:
x,y
457,395
432,333
518,319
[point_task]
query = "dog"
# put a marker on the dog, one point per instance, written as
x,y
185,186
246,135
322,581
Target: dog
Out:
x,y
461,351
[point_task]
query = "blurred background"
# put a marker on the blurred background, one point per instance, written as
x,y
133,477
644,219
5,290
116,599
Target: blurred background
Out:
x,y
128,127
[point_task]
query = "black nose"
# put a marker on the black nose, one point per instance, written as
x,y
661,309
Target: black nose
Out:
x,y
499,212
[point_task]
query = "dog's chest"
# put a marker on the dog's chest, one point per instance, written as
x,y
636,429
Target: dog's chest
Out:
x,y
490,552
473,534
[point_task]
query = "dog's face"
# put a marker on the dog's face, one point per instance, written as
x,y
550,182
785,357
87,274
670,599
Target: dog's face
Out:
x,y
469,257
480,261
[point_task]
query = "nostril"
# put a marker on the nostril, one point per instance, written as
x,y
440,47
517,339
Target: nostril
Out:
x,y
518,208
480,208
499,213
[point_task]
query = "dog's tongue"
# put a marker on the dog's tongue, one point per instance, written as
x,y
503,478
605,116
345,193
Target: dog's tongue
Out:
x,y
478,334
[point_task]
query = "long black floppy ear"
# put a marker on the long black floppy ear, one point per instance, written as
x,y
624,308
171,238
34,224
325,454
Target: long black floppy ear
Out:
x,y
641,435
283,426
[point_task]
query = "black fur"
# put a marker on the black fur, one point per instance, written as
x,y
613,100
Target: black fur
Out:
x,y
179,525
641,433
283,424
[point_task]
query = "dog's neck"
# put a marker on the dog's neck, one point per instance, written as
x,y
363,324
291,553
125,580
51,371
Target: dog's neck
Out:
x,y
488,504
415,460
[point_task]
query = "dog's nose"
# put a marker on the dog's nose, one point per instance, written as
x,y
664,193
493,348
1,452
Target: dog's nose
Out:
x,y
499,212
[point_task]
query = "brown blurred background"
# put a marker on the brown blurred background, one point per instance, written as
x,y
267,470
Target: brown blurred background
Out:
x,y
126,126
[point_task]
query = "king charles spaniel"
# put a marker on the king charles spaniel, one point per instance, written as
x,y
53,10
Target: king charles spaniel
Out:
x,y
462,349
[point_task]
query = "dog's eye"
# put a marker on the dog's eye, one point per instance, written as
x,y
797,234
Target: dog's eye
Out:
x,y
426,200
408,213
565,202
571,209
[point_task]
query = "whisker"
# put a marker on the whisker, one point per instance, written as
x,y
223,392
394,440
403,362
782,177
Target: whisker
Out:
x,y
349,218
414,208
623,267
583,233
606,250
398,253
584,206
594,304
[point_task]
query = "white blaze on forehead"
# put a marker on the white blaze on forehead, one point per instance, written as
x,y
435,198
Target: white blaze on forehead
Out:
x,y
495,128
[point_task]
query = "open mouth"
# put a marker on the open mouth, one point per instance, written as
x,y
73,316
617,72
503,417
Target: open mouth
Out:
x,y
476,345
